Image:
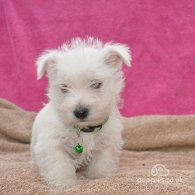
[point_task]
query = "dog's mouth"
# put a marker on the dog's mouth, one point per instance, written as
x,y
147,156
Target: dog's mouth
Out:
x,y
84,123
83,120
90,128
87,122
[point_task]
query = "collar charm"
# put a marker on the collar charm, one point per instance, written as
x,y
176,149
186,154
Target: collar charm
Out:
x,y
79,148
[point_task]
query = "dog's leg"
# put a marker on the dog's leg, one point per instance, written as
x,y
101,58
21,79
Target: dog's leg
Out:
x,y
103,164
55,165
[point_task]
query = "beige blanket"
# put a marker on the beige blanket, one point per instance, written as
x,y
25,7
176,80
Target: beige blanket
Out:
x,y
158,157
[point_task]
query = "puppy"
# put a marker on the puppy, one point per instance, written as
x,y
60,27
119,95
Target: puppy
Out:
x,y
81,125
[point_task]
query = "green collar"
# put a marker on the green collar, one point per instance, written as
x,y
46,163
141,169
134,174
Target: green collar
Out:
x,y
91,128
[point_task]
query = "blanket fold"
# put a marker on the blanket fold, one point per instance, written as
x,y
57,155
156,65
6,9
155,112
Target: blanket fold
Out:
x,y
151,132
16,124
152,143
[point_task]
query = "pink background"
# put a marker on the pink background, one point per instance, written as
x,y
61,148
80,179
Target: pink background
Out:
x,y
160,33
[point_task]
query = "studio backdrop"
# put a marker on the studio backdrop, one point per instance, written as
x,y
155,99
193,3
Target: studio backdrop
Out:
x,y
160,33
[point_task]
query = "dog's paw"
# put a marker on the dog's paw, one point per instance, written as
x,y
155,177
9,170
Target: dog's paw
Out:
x,y
63,185
98,174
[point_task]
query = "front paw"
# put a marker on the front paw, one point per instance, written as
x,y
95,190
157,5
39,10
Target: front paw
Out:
x,y
96,174
63,184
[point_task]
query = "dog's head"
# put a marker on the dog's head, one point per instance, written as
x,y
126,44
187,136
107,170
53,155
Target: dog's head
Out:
x,y
85,79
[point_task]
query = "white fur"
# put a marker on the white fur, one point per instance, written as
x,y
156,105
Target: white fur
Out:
x,y
77,64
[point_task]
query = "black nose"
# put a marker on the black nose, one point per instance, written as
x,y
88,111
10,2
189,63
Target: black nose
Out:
x,y
81,112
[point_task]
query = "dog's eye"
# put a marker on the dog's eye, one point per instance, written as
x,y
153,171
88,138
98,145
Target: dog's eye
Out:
x,y
64,88
96,85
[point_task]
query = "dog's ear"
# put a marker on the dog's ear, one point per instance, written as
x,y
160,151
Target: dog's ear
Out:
x,y
45,62
116,55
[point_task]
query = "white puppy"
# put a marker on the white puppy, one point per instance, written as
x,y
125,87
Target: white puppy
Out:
x,y
81,125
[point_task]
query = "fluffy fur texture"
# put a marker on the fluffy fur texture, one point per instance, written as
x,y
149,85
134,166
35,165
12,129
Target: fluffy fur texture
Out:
x,y
82,73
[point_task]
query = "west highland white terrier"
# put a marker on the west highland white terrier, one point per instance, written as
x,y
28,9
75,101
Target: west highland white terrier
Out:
x,y
81,125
